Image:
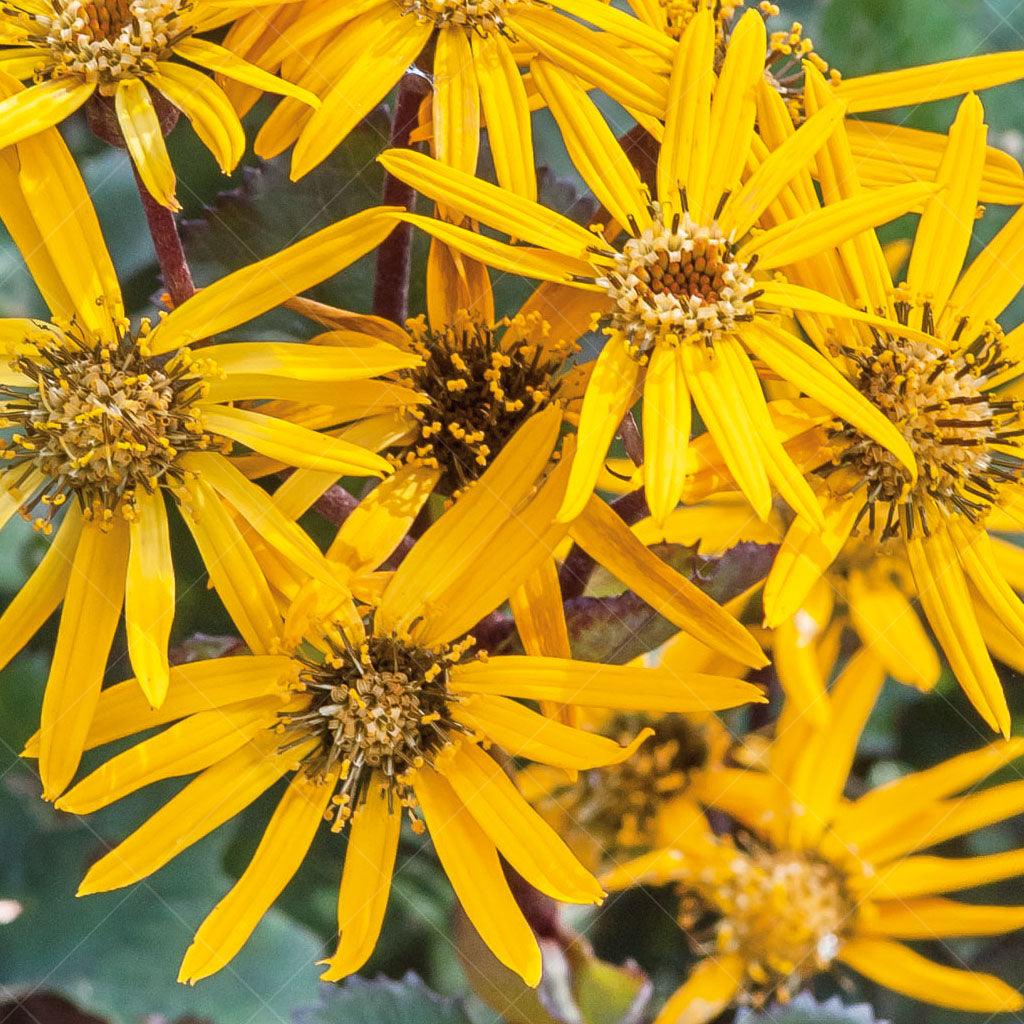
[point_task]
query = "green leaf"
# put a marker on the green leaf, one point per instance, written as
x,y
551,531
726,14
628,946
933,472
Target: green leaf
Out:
x,y
381,1001
805,1009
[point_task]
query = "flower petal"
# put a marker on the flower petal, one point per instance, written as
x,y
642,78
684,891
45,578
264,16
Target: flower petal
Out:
x,y
144,138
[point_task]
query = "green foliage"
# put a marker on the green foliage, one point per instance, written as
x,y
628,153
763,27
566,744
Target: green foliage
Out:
x,y
358,1001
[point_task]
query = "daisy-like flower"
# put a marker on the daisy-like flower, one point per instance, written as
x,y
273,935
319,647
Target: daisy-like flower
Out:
x,y
491,386
687,299
352,54
944,393
124,51
816,880
105,419
376,711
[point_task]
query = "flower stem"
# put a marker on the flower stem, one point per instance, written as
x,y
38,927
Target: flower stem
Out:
x,y
170,253
391,286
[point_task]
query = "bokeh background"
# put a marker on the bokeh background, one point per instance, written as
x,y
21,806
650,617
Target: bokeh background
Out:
x,y
115,957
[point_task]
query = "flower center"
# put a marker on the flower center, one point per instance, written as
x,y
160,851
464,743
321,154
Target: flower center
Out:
x,y
377,711
783,913
479,16
962,435
483,382
107,40
100,421
619,804
677,282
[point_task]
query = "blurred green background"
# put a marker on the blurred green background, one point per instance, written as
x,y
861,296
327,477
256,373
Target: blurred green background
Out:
x,y
116,956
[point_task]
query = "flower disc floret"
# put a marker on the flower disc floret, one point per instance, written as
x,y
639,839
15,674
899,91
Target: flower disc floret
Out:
x,y
101,419
482,382
677,282
479,16
962,434
377,710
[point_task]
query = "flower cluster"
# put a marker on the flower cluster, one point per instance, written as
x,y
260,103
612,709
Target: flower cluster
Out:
x,y
723,352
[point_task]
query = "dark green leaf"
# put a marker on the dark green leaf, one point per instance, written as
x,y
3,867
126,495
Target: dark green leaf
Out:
x,y
382,1001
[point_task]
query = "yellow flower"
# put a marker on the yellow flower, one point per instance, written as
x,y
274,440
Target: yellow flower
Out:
x,y
104,418
818,880
943,392
352,55
687,301
376,712
491,388
124,49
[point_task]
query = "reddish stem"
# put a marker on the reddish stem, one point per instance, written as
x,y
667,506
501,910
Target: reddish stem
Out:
x,y
170,253
391,286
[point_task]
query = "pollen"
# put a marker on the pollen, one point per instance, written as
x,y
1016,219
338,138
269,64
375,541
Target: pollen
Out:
x,y
963,436
784,914
377,710
478,16
482,382
677,282
102,41
101,420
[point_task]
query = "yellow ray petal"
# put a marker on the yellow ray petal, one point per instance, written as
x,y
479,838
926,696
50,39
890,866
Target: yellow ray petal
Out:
x,y
186,748
196,687
911,86
471,863
755,799
39,107
281,850
885,620
524,733
212,798
224,62
539,614
815,232
806,368
747,203
506,111
685,149
234,571
602,686
621,25
253,290
712,986
945,229
607,539
378,523
312,24
513,259
456,101
795,655
592,146
292,444
597,58
818,776
512,214
527,538
92,609
782,471
937,918
666,426
39,596
145,140
805,554
208,109
725,414
356,357
733,108
520,834
942,591
611,390
259,512
450,549
149,595
365,882
381,44
453,283
993,280
910,877
895,966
